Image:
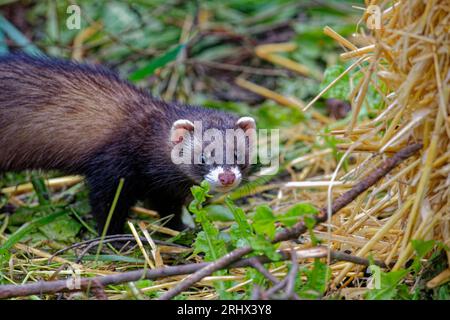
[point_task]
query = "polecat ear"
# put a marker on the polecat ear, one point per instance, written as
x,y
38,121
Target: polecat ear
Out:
x,y
179,130
246,123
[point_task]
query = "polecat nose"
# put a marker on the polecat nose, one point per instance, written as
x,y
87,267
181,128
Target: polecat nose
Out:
x,y
227,178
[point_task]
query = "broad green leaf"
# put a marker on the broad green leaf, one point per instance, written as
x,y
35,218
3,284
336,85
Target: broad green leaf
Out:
x,y
242,231
423,247
217,212
61,229
389,282
264,221
29,227
317,279
210,244
264,246
292,216
341,89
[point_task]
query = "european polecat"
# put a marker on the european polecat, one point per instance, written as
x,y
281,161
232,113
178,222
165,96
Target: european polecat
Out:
x,y
81,118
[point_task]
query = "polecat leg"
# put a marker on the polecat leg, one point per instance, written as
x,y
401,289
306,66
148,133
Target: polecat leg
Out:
x,y
167,205
101,199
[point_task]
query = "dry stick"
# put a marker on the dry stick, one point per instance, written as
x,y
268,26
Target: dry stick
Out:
x,y
9,291
291,277
99,291
255,263
112,238
256,293
269,293
299,228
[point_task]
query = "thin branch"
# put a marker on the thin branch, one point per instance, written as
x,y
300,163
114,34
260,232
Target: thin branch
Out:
x,y
288,283
109,239
255,263
269,293
291,277
99,291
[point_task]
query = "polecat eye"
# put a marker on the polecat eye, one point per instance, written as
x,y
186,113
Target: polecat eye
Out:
x,y
202,159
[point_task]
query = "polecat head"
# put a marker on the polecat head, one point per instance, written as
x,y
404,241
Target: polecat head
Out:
x,y
219,149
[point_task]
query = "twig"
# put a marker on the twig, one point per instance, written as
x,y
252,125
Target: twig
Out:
x,y
299,228
255,263
91,246
256,293
291,277
98,290
269,293
288,282
108,239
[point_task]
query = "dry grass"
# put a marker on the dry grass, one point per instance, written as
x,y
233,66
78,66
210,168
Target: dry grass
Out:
x,y
410,57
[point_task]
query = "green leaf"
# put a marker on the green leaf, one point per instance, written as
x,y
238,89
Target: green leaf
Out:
x,y
200,194
217,212
210,244
264,221
341,89
443,292
389,282
292,216
270,115
317,279
156,63
264,246
310,222
239,216
143,283
118,16
29,227
423,247
256,278
207,241
237,238
61,229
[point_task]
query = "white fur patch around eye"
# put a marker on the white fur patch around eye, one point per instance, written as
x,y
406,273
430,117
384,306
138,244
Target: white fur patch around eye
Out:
x,y
213,177
238,175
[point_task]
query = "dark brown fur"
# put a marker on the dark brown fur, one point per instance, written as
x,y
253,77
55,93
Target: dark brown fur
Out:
x,y
78,118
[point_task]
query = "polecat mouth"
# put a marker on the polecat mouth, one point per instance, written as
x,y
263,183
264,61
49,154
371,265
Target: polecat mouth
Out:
x,y
223,180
